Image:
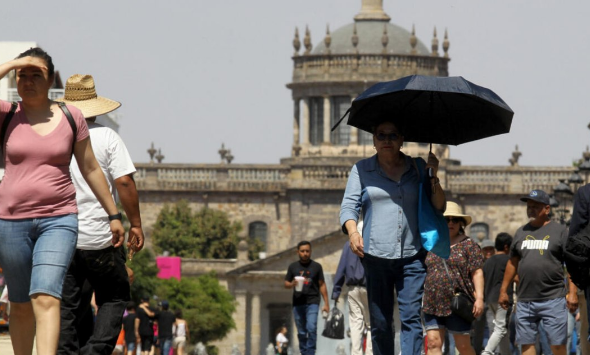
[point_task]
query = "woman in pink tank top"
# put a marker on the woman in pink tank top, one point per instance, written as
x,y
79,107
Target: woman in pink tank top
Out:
x,y
38,213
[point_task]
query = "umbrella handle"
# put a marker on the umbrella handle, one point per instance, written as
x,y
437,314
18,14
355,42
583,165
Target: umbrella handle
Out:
x,y
340,120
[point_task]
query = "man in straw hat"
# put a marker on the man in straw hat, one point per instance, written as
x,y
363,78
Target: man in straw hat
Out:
x,y
96,261
536,254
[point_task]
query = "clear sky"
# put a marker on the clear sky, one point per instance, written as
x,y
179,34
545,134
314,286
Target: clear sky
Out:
x,y
192,74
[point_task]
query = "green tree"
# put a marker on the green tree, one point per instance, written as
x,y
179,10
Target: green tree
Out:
x,y
145,273
207,233
206,305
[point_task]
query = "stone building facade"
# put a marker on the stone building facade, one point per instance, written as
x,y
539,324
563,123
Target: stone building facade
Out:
x,y
299,198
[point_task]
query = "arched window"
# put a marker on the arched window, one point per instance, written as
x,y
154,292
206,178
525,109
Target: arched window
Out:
x,y
341,135
258,230
479,231
316,120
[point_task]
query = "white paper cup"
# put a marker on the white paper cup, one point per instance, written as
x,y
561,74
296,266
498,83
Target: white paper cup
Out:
x,y
300,280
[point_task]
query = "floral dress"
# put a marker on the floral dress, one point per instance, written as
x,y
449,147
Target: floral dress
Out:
x,y
465,258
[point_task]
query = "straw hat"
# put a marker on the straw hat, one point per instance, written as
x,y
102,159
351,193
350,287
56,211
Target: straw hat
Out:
x,y
81,93
454,210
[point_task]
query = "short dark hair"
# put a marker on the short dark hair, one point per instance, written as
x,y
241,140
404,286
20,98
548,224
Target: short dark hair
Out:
x,y
397,125
503,239
302,243
130,305
178,313
37,52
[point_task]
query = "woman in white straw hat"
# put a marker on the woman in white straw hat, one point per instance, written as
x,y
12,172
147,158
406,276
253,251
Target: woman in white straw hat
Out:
x,y
462,271
38,212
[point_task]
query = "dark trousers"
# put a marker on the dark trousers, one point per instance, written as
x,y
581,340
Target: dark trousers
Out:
x,y
105,271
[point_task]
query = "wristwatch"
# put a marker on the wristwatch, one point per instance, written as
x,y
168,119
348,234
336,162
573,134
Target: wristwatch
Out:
x,y
118,216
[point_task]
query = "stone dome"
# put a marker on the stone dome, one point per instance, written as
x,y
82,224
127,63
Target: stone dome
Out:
x,y
369,40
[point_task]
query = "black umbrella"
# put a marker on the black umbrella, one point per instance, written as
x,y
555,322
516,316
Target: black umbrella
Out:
x,y
427,109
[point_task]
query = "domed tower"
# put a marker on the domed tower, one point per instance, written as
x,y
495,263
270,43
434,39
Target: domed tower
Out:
x,y
327,77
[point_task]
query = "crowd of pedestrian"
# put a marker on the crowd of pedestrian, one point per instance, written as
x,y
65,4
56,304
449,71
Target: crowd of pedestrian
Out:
x,y
441,295
62,247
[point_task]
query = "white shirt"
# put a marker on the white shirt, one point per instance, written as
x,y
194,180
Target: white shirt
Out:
x,y
282,339
94,232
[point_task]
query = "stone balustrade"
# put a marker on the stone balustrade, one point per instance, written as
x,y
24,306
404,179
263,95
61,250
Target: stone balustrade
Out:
x,y
371,67
503,180
211,177
333,176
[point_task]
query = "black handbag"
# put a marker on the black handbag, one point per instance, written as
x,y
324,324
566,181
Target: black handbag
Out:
x,y
461,303
334,324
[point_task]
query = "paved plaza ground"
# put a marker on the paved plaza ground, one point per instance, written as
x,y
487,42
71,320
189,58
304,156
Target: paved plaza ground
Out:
x,y
6,347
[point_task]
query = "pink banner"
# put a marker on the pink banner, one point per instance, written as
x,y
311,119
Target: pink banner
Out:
x,y
169,266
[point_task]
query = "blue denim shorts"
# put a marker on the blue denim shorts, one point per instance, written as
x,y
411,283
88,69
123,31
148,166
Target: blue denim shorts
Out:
x,y
553,313
453,323
35,254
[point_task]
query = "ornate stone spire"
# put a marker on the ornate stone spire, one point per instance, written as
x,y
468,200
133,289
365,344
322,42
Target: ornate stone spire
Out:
x,y
447,44
413,41
296,42
223,152
434,44
328,39
307,41
515,156
355,39
372,10
384,39
152,152
159,157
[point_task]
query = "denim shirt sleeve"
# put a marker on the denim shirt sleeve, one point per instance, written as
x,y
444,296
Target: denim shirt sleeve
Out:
x,y
351,203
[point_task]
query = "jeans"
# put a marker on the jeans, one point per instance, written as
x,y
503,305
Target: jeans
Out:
x,y
35,254
306,320
165,345
499,334
105,271
407,277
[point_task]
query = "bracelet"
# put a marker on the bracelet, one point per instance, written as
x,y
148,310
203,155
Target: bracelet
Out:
x,y
354,233
436,181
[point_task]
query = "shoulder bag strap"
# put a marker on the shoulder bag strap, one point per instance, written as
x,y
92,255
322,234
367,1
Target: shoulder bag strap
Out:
x,y
453,287
4,128
71,121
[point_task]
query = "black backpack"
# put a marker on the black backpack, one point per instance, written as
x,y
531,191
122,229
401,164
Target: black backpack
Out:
x,y
577,257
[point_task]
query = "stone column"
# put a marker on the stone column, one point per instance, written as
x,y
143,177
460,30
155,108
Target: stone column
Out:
x,y
239,334
255,325
305,125
327,120
296,122
354,136
354,132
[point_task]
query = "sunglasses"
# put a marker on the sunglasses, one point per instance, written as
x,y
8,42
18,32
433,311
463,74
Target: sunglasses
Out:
x,y
454,220
389,136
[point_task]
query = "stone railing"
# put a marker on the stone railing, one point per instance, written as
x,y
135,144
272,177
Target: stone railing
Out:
x,y
211,177
503,180
333,175
371,67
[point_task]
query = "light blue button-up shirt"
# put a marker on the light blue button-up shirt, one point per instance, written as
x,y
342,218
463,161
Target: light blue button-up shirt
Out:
x,y
389,208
